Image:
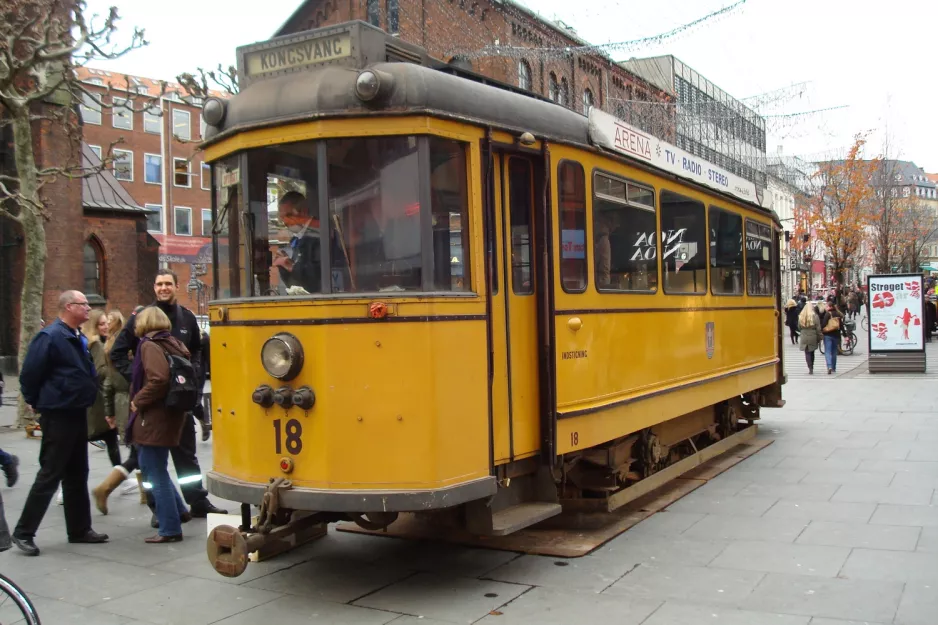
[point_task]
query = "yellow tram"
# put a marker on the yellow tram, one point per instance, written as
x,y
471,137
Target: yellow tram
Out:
x,y
441,295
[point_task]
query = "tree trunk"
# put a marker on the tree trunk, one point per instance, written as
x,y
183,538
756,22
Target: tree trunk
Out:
x,y
34,233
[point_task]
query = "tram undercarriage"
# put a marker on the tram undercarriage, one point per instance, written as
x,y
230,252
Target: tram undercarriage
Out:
x,y
597,480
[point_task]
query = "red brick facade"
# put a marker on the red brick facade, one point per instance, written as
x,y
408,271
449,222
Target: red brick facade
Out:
x,y
469,31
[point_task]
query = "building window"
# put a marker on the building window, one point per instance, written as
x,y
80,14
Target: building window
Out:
x,y
206,177
524,75
201,127
183,221
97,150
181,172
571,185
90,109
121,116
154,217
182,128
95,81
626,234
683,244
93,262
206,222
152,120
152,168
374,13
726,252
393,8
553,89
564,94
124,165
587,101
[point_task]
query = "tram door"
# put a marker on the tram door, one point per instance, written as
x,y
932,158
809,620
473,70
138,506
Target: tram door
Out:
x,y
514,312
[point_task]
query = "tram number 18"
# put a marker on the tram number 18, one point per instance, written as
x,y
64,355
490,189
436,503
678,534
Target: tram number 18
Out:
x,y
293,433
574,439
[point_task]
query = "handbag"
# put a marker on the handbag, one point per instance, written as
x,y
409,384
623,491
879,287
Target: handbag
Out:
x,y
833,324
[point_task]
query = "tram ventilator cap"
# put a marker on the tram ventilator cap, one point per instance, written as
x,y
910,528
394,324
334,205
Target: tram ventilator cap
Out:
x,y
373,84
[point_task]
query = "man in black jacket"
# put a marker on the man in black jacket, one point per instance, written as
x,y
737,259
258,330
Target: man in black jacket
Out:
x,y
58,380
186,329
299,266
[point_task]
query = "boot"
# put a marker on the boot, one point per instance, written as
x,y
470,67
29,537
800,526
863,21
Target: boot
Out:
x,y
114,479
143,491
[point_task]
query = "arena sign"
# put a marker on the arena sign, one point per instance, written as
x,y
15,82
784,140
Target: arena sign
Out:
x,y
614,134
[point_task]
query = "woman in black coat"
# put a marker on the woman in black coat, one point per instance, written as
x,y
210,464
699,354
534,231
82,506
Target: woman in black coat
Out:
x,y
791,320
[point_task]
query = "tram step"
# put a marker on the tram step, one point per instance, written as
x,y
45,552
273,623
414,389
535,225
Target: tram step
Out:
x,y
522,515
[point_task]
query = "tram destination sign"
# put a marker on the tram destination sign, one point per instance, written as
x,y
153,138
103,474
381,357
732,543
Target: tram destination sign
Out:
x,y
295,55
614,134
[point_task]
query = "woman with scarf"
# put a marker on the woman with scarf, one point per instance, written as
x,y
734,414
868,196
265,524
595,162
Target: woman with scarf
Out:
x,y
153,427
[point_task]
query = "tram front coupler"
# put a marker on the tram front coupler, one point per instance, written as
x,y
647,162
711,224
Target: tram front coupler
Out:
x,y
275,531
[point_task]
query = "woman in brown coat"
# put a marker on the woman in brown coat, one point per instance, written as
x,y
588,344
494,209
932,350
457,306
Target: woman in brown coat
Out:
x,y
154,427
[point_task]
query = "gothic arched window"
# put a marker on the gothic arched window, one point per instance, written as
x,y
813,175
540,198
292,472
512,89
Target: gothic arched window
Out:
x,y
524,75
93,264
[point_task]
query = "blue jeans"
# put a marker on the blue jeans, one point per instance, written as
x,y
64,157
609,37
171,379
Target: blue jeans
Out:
x,y
831,343
169,505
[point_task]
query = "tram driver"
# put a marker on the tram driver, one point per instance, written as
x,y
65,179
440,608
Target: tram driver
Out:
x,y
299,264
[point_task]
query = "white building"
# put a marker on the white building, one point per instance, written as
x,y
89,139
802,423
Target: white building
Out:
x,y
779,196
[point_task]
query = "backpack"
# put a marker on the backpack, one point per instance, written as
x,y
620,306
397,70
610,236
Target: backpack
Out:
x,y
183,394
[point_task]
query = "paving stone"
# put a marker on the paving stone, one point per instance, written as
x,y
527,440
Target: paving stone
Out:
x,y
663,550
57,612
821,511
806,492
778,475
94,582
882,451
550,606
446,559
665,523
190,601
826,597
892,435
687,584
456,599
899,466
587,573
830,621
331,579
418,620
782,558
293,610
846,476
894,566
914,480
919,604
819,464
922,516
712,527
684,614
724,506
903,495
860,535
928,540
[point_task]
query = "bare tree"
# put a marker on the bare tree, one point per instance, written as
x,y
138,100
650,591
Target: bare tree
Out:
x,y
42,42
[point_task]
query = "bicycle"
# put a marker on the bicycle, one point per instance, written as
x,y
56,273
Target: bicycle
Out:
x,y
848,339
11,591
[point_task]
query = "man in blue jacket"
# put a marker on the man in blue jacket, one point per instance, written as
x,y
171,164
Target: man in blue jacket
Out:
x,y
59,382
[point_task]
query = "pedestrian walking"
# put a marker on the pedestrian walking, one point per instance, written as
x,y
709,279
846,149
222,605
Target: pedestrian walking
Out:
x,y
96,331
831,319
155,427
58,380
791,320
186,329
810,326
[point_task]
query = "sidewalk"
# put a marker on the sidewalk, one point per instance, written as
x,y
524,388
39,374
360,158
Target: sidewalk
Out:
x,y
835,523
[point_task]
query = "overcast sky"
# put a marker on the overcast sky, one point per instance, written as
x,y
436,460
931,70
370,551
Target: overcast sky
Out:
x,y
875,59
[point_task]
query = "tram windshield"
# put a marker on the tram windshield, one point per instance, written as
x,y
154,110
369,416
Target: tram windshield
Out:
x,y
379,230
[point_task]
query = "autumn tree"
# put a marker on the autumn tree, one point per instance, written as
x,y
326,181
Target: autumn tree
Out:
x,y
42,42
839,207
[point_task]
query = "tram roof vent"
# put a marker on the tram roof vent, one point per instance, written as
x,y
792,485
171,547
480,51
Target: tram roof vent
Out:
x,y
399,53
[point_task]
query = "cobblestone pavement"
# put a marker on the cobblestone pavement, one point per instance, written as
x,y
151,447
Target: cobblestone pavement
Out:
x,y
835,523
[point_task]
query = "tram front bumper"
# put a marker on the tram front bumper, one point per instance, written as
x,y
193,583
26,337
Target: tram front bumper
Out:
x,y
310,499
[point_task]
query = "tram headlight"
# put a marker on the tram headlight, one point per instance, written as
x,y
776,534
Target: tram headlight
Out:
x,y
372,84
213,111
282,356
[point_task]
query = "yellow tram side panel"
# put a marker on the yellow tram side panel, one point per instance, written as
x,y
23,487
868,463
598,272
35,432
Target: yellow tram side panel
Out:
x,y
625,371
398,405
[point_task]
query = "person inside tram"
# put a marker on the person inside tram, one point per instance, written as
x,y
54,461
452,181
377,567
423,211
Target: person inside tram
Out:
x,y
299,264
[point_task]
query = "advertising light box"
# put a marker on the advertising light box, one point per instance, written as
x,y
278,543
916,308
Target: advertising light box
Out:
x,y
896,313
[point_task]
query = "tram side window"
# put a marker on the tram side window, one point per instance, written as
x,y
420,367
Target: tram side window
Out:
x,y
571,184
625,236
683,244
450,208
521,207
226,265
758,258
726,252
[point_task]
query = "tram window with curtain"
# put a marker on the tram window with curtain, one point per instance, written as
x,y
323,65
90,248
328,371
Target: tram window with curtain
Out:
x,y
625,234
571,185
758,259
726,252
683,244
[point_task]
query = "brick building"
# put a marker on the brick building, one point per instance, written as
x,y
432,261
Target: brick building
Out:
x,y
505,41
156,159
